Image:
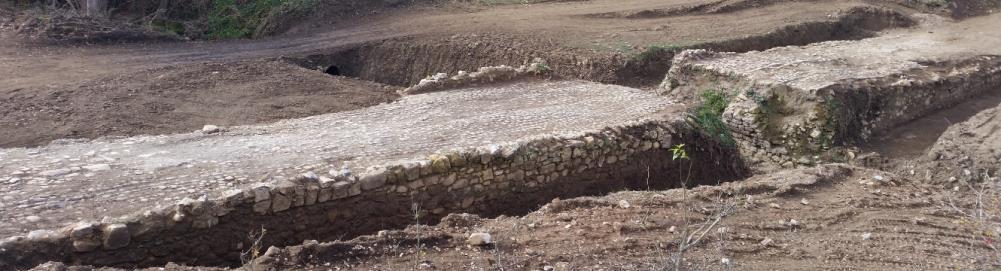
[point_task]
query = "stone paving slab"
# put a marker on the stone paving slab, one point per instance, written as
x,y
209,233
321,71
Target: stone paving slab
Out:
x,y
64,182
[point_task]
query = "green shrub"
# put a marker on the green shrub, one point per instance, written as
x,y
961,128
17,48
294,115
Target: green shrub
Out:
x,y
653,51
167,26
241,19
709,116
833,118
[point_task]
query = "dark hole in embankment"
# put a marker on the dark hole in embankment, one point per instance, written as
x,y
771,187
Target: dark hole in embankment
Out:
x,y
332,70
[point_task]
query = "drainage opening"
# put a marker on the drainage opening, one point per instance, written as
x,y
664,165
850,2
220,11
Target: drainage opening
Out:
x,y
333,70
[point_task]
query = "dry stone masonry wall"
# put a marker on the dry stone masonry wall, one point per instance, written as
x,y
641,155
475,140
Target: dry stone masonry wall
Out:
x,y
491,74
491,180
786,107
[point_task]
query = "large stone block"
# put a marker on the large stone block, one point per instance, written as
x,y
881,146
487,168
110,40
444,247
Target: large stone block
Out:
x,y
115,236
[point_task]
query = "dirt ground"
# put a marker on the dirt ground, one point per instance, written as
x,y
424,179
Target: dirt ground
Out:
x,y
908,217
177,99
54,87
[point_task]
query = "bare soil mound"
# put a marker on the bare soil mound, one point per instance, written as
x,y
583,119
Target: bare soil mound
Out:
x,y
967,151
179,99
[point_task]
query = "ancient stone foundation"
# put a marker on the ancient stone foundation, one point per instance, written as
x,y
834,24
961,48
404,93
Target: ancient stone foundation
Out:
x,y
787,117
499,179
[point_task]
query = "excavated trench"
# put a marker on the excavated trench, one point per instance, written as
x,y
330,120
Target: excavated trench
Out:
x,y
405,61
914,138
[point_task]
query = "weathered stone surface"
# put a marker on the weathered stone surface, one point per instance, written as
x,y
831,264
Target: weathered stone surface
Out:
x,y
98,167
787,100
324,195
44,236
354,189
412,171
280,202
84,230
262,207
374,178
312,194
211,129
115,236
204,222
479,239
262,193
344,201
439,163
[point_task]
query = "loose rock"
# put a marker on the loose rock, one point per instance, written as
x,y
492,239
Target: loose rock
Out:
x,y
210,129
479,239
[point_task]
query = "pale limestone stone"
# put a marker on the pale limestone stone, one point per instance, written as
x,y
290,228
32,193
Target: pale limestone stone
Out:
x,y
280,202
340,190
312,194
374,178
324,195
439,163
262,193
354,190
449,180
412,171
479,239
211,129
415,185
262,207
299,197
115,236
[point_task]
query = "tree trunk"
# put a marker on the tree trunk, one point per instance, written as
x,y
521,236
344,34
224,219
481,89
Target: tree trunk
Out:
x,y
94,8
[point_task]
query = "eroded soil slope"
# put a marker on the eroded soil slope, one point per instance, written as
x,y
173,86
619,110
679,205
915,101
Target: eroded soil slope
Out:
x,y
966,152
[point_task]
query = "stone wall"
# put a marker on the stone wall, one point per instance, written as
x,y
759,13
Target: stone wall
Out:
x,y
483,75
511,178
778,125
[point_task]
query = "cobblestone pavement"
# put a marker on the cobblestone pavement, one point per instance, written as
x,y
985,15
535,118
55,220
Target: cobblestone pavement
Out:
x,y
65,182
822,64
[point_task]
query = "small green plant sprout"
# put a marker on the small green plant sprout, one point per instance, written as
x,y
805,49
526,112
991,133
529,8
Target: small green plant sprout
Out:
x,y
543,67
678,152
539,66
709,116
